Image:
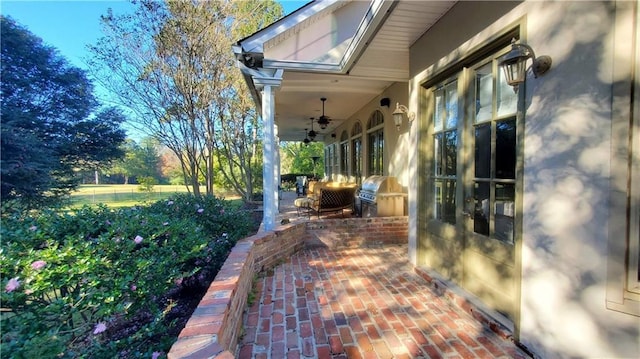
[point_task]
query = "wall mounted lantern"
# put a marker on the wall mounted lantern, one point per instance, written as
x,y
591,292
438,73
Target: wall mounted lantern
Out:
x,y
398,115
514,64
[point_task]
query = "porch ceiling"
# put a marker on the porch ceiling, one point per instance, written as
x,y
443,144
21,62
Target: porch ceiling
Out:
x,y
383,61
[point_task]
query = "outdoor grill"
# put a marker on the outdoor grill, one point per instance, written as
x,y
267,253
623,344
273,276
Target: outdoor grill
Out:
x,y
381,196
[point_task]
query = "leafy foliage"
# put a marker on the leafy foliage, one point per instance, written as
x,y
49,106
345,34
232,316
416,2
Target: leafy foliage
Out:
x,y
171,63
298,158
139,160
102,283
48,126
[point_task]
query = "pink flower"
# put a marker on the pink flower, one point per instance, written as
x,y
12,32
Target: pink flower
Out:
x,y
12,285
179,281
200,210
138,239
133,287
100,327
156,355
38,265
222,211
33,228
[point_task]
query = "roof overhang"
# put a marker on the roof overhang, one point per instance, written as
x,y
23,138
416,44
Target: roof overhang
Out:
x,y
352,71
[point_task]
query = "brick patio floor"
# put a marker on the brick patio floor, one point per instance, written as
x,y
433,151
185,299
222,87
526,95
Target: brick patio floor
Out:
x,y
359,303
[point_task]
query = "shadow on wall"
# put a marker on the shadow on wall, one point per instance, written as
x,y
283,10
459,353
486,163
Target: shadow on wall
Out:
x,y
566,189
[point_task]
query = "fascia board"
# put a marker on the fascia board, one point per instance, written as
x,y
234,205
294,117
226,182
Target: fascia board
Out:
x,y
302,66
369,26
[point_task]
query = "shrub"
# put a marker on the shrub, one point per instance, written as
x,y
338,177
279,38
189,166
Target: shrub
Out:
x,y
99,281
146,184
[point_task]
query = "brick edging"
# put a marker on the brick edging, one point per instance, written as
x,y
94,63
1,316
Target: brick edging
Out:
x,y
214,327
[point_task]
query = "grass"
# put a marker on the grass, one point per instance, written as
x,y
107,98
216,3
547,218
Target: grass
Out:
x,y
122,195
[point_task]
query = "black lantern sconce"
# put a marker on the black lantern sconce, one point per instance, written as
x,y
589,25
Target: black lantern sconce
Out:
x,y
514,64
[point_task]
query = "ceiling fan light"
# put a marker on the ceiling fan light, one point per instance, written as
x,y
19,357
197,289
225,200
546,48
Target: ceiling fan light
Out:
x,y
323,121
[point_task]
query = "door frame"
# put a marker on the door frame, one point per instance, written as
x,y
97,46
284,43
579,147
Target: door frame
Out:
x,y
433,234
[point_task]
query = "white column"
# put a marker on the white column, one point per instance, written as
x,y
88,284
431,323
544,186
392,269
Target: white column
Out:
x,y
268,81
269,165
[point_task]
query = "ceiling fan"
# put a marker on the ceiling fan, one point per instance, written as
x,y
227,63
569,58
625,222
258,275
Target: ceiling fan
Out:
x,y
312,134
306,137
323,120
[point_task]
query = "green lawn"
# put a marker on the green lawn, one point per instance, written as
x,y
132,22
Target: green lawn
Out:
x,y
121,195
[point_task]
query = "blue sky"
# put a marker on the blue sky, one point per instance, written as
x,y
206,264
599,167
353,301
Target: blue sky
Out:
x,y
70,25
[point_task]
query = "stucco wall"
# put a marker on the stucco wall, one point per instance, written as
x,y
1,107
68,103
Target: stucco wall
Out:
x,y
396,142
566,186
567,147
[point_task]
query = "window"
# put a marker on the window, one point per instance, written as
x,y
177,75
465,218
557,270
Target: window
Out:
x,y
356,153
494,154
328,156
445,142
375,137
344,154
331,164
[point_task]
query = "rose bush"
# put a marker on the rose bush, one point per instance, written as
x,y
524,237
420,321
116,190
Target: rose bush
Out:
x,y
103,282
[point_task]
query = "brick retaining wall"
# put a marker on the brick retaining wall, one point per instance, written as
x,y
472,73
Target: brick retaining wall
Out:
x,y
213,329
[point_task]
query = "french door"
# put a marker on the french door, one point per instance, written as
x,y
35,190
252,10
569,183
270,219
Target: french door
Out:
x,y
471,151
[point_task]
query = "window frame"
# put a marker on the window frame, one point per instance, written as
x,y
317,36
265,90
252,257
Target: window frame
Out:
x,y
344,154
494,120
443,177
356,152
623,257
375,143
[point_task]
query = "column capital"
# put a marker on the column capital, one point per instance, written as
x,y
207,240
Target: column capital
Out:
x,y
267,77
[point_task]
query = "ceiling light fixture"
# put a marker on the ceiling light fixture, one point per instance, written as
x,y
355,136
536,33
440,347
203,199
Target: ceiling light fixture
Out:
x,y
306,138
323,120
312,134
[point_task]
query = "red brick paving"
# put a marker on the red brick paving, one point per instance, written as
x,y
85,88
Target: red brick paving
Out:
x,y
360,303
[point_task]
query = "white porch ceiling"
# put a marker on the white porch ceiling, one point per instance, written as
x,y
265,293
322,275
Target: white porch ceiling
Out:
x,y
384,61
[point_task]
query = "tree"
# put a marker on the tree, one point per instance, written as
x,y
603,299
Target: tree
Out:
x,y
298,158
48,126
172,65
139,160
